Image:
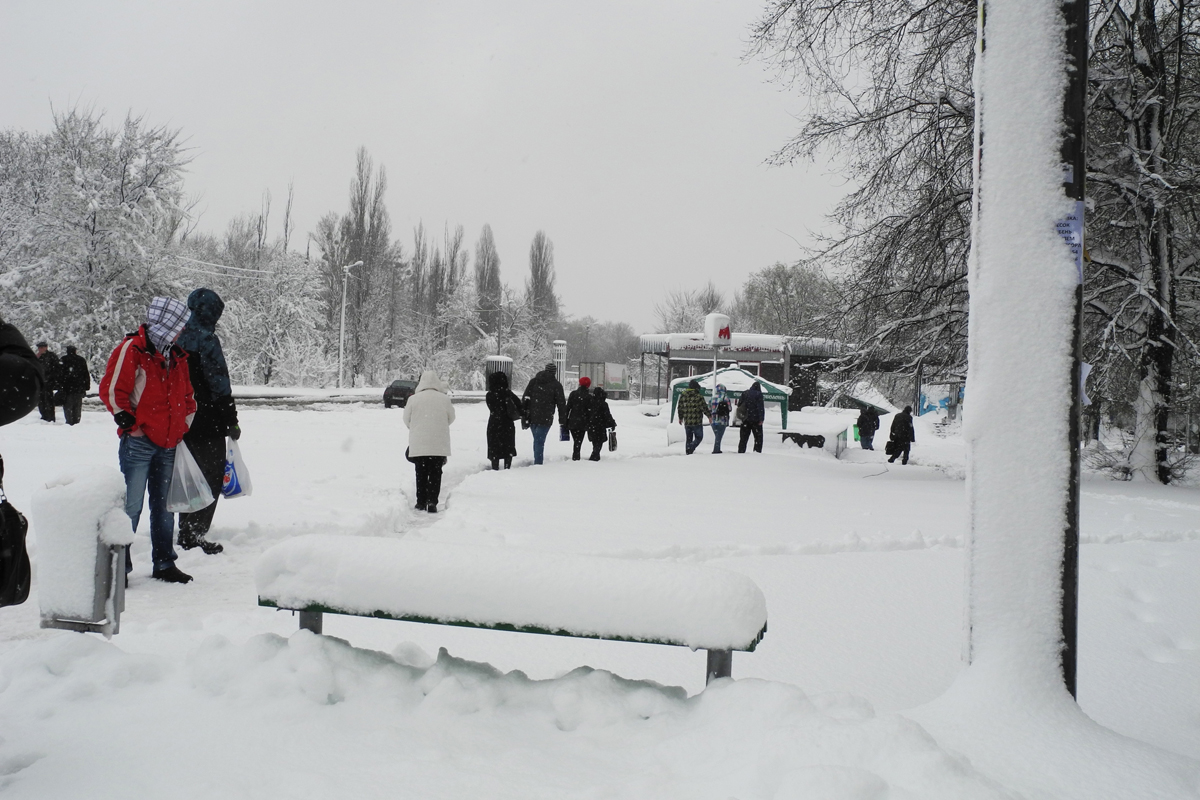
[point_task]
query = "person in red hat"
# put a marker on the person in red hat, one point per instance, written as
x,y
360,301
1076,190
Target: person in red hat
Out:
x,y
579,406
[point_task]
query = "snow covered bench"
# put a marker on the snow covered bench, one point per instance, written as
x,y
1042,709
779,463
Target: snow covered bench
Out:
x,y
506,589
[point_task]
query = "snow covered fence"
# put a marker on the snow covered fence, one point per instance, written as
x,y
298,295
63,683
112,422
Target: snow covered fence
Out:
x,y
82,529
517,590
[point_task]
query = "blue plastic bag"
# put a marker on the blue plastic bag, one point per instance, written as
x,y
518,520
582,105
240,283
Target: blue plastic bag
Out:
x,y
237,478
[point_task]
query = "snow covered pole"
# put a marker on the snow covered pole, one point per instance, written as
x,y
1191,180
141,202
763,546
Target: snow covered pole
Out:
x,y
1074,151
1024,284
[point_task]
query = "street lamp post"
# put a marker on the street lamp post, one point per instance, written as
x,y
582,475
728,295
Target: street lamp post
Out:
x,y
342,337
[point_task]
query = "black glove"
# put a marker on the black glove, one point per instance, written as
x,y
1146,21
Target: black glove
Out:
x,y
235,432
125,420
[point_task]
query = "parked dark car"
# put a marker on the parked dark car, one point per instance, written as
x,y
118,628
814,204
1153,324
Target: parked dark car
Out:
x,y
398,393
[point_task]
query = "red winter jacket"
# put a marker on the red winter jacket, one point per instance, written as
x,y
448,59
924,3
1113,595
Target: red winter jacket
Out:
x,y
156,390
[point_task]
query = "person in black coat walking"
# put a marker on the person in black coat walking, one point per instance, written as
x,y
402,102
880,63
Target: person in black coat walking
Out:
x,y
579,408
543,395
76,380
216,413
21,384
600,420
902,435
752,411
21,376
50,371
868,423
504,408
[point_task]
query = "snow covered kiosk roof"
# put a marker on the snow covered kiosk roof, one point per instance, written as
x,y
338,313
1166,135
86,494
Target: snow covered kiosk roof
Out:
x,y
735,380
667,343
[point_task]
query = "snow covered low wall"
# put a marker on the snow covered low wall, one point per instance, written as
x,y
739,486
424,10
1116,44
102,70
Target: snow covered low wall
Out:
x,y
72,515
608,598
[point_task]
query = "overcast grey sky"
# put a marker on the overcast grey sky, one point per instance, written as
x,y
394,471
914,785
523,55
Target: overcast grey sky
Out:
x,y
631,132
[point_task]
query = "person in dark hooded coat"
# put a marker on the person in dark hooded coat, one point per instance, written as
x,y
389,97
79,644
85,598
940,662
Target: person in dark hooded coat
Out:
x,y
868,423
21,382
600,419
216,413
504,408
902,435
579,408
543,396
21,377
76,380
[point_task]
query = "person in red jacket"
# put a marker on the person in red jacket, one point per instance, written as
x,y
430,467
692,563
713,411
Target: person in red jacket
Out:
x,y
147,388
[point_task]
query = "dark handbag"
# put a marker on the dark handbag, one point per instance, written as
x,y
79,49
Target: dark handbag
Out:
x,y
514,408
612,440
564,433
15,573
410,459
890,448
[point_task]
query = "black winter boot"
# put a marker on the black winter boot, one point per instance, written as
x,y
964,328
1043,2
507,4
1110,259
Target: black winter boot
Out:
x,y
191,539
171,574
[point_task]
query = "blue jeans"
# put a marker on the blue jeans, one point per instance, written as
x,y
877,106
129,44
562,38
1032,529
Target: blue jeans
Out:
x,y
148,466
694,433
867,440
539,441
718,432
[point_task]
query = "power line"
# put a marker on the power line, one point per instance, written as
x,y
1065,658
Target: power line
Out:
x,y
222,266
223,274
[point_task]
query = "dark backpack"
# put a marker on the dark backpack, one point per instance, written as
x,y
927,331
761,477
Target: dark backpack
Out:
x,y
723,408
14,559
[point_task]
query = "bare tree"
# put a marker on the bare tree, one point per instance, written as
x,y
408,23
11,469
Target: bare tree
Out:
x,y
487,280
1143,183
793,300
539,288
889,88
683,310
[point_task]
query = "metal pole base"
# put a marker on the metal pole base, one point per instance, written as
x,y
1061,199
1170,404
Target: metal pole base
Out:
x,y
720,665
310,621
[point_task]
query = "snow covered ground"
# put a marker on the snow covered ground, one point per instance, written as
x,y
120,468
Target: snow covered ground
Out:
x,y
850,694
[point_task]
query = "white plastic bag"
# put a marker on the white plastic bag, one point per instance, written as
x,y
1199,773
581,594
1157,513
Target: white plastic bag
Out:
x,y
237,477
189,490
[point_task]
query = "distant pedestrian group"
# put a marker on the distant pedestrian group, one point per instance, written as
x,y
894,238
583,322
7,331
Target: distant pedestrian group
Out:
x,y
692,409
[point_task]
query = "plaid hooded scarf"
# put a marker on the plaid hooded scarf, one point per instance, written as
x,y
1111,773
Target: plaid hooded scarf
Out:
x,y
165,319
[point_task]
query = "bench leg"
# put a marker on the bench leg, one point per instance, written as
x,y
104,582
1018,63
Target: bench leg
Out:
x,y
310,621
720,665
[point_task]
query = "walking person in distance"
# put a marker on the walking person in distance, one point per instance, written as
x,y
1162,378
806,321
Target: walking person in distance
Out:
x,y
50,370
579,408
428,415
75,380
600,421
504,408
720,409
692,411
902,436
868,423
752,412
543,396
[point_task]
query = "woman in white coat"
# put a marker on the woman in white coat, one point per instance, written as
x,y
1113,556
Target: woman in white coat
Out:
x,y
428,415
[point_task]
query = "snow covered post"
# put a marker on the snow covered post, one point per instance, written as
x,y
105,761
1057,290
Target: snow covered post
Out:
x,y
716,335
1024,286
82,531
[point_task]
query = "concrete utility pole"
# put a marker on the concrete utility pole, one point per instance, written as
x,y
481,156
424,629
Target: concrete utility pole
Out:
x,y
342,337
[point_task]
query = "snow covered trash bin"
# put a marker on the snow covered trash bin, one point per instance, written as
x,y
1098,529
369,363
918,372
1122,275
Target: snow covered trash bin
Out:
x,y
82,530
509,589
